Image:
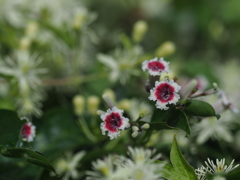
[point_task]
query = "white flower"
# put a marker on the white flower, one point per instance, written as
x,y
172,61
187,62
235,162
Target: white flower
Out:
x,y
67,166
113,121
28,132
165,92
121,63
155,67
108,168
214,129
140,166
214,168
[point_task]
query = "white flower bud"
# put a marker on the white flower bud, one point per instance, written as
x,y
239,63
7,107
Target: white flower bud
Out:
x,y
92,104
139,30
145,126
135,134
167,48
135,128
79,104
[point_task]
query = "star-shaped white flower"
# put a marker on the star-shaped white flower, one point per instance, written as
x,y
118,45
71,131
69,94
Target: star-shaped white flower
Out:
x,y
28,132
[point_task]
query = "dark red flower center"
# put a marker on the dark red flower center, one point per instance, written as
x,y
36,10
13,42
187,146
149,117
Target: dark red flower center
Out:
x,y
26,130
113,121
165,92
156,66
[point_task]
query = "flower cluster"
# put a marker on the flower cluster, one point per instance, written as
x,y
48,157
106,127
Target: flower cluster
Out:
x,y
164,92
139,166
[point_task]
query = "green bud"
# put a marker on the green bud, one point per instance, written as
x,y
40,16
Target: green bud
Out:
x,y
124,104
135,134
167,48
79,104
139,30
135,128
145,126
92,104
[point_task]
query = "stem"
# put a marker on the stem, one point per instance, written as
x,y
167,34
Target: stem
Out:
x,y
86,130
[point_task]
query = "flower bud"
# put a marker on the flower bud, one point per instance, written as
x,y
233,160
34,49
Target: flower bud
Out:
x,y
92,104
139,30
135,128
167,48
188,88
78,20
25,42
124,104
135,134
31,29
145,126
110,93
79,103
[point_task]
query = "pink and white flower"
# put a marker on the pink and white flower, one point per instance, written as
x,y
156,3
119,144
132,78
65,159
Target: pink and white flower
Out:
x,y
155,67
165,92
113,121
28,132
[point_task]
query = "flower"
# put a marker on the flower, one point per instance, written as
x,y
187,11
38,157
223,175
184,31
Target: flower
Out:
x,y
214,129
139,166
67,166
165,92
28,132
155,67
212,168
113,121
119,64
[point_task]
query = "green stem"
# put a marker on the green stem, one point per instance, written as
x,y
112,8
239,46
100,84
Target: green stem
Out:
x,y
86,130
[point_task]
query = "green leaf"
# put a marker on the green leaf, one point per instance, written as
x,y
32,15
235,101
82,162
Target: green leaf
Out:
x,y
31,156
182,170
170,119
179,120
199,108
10,126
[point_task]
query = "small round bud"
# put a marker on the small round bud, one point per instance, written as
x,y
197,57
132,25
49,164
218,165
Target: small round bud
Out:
x,y
215,85
31,29
108,100
100,112
110,93
135,134
78,20
79,104
25,42
145,126
124,104
167,48
139,30
135,128
92,104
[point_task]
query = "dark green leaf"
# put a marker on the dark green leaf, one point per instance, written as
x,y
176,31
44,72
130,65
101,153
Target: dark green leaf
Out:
x,y
179,120
10,126
170,119
31,156
199,108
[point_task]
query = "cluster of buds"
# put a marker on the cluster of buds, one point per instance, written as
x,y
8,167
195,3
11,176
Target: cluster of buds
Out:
x,y
136,129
